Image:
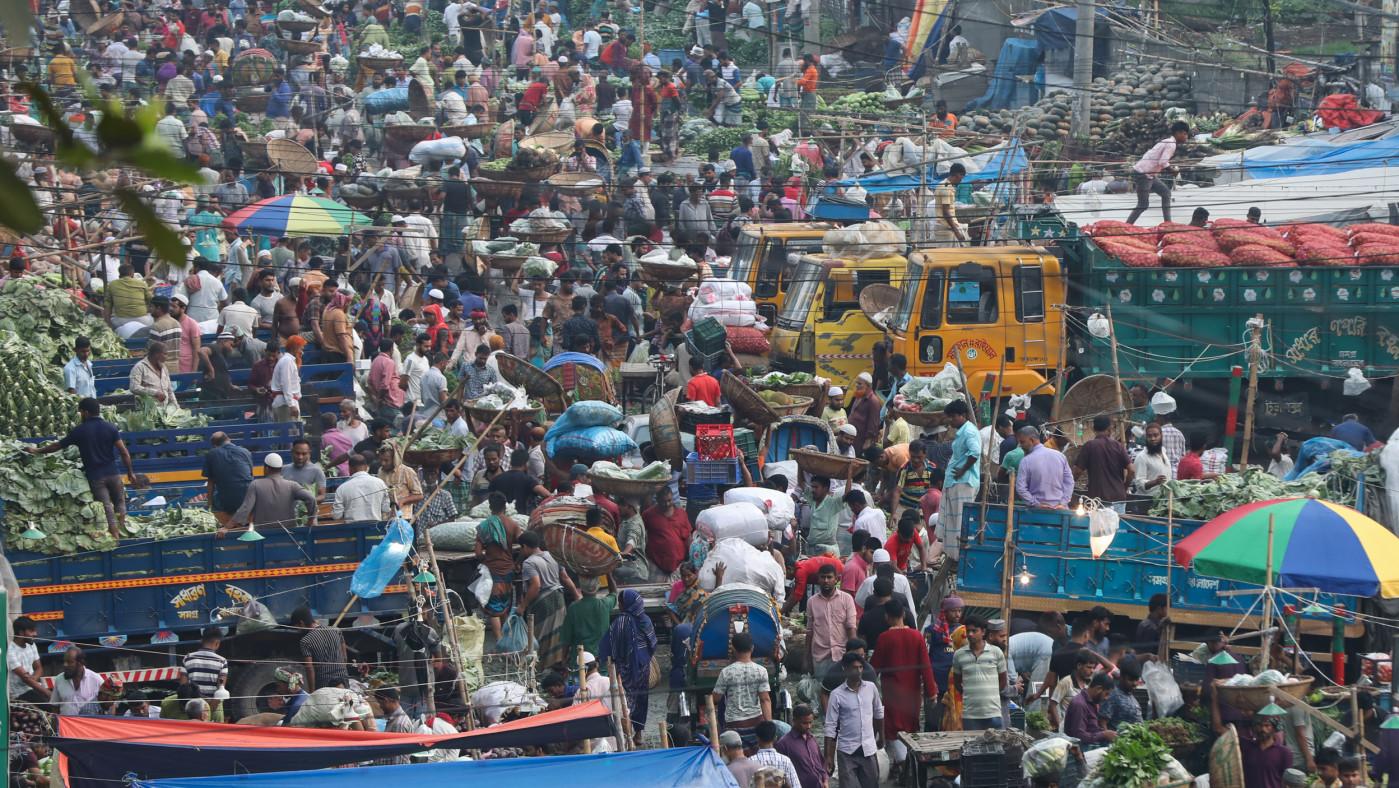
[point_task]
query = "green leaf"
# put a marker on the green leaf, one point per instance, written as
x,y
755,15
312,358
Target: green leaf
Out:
x,y
162,239
17,207
117,131
16,19
48,111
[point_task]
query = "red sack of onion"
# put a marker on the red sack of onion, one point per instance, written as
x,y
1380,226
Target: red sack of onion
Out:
x,y
746,339
1378,254
1258,254
1373,227
1313,252
1188,256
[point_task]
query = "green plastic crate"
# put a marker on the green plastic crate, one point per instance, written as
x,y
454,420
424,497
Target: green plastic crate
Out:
x,y
709,336
746,442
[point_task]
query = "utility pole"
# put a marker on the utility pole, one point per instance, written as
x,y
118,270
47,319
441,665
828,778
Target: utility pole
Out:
x,y
1083,69
811,30
1255,352
1269,42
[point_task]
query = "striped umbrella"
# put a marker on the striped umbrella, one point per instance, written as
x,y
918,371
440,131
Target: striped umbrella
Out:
x,y
1316,544
296,214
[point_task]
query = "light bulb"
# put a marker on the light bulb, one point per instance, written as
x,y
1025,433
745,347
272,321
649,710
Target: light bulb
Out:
x,y
1024,577
1080,511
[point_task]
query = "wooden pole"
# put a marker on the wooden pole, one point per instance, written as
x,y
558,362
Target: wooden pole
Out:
x,y
713,721
1008,556
583,693
1059,367
1163,649
624,738
1254,350
1116,374
1267,643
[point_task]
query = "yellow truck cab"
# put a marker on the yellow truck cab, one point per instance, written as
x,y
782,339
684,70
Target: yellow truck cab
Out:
x,y
766,257
988,306
821,328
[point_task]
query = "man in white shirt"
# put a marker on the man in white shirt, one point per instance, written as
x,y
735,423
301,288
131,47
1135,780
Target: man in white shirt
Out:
x,y
419,238
853,729
286,386
205,301
869,519
238,315
414,368
23,661
1147,171
592,41
361,497
882,565
451,16
75,690
767,756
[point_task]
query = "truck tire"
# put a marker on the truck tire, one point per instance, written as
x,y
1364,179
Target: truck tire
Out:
x,y
252,684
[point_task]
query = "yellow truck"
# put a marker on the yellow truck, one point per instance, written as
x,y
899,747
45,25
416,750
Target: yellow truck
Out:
x,y
766,256
985,305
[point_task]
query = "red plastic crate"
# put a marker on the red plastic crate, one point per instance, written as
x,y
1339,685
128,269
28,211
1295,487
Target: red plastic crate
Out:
x,y
715,442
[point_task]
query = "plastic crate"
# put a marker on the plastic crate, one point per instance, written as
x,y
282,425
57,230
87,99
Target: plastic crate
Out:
x,y
708,336
715,442
1187,671
746,442
983,765
690,421
699,471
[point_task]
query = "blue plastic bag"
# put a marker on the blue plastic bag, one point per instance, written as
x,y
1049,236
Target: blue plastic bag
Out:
x,y
384,561
589,444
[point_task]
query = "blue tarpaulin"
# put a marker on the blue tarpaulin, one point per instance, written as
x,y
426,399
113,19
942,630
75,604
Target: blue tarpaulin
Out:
x,y
690,767
998,164
1286,161
1019,56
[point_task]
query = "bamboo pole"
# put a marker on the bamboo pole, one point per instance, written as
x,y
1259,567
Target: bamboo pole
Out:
x,y
713,721
1266,645
624,738
583,693
1163,649
1059,386
1008,556
1116,373
1254,350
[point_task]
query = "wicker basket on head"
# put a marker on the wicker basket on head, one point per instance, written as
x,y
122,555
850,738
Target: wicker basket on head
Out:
x,y
430,458
497,190
1251,699
296,26
298,47
364,202
106,24
505,263
253,103
797,407
254,154
379,63
315,9
746,402
291,157
576,183
545,236
560,142
668,273
923,418
627,488
535,381
470,131
409,132
484,416
819,463
542,172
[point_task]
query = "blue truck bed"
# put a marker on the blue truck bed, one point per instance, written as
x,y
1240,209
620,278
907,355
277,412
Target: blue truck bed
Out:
x,y
152,591
1052,546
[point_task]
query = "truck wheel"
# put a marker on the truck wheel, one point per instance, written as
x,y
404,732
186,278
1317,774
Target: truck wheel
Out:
x,y
251,686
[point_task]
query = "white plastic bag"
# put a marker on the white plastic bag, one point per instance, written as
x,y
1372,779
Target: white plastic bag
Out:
x,y
481,589
1102,528
444,149
778,506
1161,687
1047,757
498,697
723,290
1355,383
744,563
742,520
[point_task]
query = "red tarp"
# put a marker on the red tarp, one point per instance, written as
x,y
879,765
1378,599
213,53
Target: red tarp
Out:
x,y
1342,111
110,748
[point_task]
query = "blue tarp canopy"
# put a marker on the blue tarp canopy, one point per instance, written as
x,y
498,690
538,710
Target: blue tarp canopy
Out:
x,y
691,767
998,164
1286,161
1056,27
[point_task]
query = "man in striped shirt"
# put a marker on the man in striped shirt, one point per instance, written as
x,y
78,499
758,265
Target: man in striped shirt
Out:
x,y
767,756
206,669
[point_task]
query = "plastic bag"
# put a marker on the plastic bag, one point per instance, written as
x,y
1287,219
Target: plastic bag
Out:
x,y
444,149
255,617
777,506
740,520
744,563
1161,687
589,413
1102,528
589,444
457,535
1047,757
481,588
865,241
514,637
498,697
332,707
1355,383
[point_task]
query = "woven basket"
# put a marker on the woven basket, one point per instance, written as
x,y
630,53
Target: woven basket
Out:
x,y
296,26
535,381
627,488
470,131
291,157
254,154
485,416
315,9
545,236
746,402
1251,699
362,202
818,463
505,263
799,406
561,142
297,47
497,190
106,24
571,182
923,418
32,135
409,132
542,172
668,272
665,431
419,102
253,103
380,63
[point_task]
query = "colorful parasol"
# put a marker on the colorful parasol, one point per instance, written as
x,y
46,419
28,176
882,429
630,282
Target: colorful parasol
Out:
x,y
296,214
1316,544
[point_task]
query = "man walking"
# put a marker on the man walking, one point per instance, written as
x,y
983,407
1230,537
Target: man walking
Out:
x,y
852,737
99,443
830,622
1147,171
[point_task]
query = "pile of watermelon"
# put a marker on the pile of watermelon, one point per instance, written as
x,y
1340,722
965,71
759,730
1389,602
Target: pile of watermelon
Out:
x,y
1236,242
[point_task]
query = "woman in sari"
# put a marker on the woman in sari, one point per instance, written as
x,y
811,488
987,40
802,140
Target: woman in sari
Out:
x,y
584,94
631,643
672,112
644,101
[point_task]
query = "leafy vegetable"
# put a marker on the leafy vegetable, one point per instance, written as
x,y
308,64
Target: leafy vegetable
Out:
x,y
49,492
1174,730
1036,720
50,319
171,523
1201,500
147,414
438,440
782,379
1135,758
32,399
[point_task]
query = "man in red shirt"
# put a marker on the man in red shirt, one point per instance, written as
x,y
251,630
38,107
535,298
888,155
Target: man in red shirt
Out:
x,y
901,543
532,98
857,566
668,532
804,573
702,386
1190,466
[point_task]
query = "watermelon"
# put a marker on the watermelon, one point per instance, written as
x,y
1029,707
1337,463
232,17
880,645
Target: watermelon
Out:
x,y
1258,254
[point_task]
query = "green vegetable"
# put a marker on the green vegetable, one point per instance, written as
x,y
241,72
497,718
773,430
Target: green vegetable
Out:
x,y
1135,758
782,379
172,523
50,319
1201,500
146,414
32,399
1174,730
438,440
1036,721
49,492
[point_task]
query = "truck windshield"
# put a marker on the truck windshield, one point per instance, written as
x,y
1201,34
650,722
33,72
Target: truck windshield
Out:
x,y
800,297
905,311
743,257
779,262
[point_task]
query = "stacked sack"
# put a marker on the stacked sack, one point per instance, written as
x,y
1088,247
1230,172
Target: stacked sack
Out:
x,y
1375,244
584,434
1239,243
731,303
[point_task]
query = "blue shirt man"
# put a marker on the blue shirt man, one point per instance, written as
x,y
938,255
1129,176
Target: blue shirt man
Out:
x,y
743,160
1353,432
77,373
279,102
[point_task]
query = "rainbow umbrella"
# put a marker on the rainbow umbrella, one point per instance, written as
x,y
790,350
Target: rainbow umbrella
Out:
x,y
1316,544
296,214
